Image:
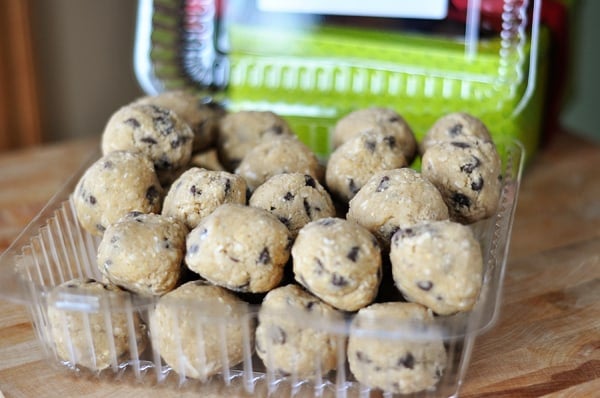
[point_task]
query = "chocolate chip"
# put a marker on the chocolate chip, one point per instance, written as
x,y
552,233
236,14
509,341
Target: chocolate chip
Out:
x,y
408,361
264,257
425,285
227,187
92,200
152,194
288,196
338,280
133,122
179,141
319,268
278,335
384,184
149,140
278,130
461,200
390,141
284,220
166,243
107,164
456,130
195,191
100,227
114,239
326,222
353,253
309,306
309,181
459,144
469,167
370,145
362,357
193,249
108,263
394,119
134,214
477,185
307,208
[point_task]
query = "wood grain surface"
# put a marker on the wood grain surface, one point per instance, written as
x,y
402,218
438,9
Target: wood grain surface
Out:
x,y
546,341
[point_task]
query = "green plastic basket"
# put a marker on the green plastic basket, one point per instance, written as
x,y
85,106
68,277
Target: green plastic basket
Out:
x,y
315,75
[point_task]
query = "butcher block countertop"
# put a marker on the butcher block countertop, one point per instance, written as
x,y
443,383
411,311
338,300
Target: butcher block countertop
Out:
x,y
546,341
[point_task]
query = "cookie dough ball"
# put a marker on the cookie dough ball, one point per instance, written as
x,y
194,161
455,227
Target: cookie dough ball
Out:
x,y
198,192
143,253
114,185
157,132
354,162
452,127
338,261
396,199
96,337
376,119
295,199
290,344
241,131
239,247
468,174
438,264
397,364
200,330
202,117
278,155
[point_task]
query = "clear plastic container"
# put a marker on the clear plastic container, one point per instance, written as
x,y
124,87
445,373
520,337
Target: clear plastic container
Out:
x,y
313,62
54,248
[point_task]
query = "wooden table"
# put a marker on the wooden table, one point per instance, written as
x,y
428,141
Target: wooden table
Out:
x,y
546,342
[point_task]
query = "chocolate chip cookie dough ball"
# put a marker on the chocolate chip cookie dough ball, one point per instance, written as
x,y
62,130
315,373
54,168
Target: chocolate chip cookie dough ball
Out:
x,y
397,364
278,155
99,337
396,199
295,199
239,247
198,192
468,174
202,117
143,253
290,344
338,261
241,131
352,164
454,126
376,119
200,329
438,264
157,132
114,185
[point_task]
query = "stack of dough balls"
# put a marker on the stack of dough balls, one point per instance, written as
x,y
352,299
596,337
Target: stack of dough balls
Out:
x,y
238,202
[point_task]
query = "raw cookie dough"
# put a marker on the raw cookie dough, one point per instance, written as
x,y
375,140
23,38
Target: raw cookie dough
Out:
x,y
202,117
241,131
208,159
468,173
439,265
239,247
289,344
383,120
338,261
95,338
454,126
278,155
114,185
396,199
397,364
143,253
295,199
200,330
157,132
198,192
352,164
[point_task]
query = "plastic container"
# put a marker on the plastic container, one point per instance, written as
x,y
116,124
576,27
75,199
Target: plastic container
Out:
x,y
54,249
313,62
